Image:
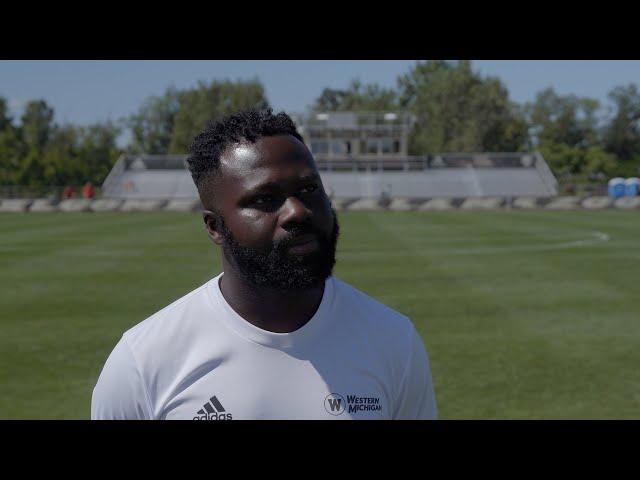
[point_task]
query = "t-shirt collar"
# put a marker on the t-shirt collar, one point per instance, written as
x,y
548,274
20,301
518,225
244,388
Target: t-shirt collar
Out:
x,y
282,341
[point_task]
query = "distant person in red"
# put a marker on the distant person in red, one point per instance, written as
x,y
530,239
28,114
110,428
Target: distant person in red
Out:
x,y
68,192
87,190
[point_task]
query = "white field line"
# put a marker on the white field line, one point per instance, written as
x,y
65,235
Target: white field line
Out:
x,y
593,238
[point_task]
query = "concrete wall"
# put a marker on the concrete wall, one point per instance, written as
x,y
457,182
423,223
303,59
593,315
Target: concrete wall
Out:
x,y
437,182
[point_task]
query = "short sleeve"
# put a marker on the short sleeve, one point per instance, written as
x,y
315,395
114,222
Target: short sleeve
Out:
x,y
416,399
120,393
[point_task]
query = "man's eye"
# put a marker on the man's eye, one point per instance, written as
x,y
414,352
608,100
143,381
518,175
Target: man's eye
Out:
x,y
309,189
263,200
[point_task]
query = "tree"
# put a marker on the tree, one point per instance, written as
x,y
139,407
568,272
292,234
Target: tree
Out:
x,y
11,154
37,124
34,133
598,162
97,151
207,102
75,155
59,164
563,159
152,125
567,119
5,119
566,161
458,110
357,98
622,134
10,146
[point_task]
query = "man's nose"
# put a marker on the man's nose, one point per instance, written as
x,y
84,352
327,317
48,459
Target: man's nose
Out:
x,y
294,210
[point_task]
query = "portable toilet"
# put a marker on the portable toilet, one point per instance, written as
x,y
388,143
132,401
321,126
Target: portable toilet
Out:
x,y
616,187
631,186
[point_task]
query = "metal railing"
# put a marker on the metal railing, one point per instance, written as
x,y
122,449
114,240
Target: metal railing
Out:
x,y
353,120
426,162
155,162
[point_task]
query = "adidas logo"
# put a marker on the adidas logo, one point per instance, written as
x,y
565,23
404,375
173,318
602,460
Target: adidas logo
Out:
x,y
212,410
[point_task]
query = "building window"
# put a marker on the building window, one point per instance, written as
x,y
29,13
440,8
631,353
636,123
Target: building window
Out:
x,y
320,146
387,145
372,146
338,147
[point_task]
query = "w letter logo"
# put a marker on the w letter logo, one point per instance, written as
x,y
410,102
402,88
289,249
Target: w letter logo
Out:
x,y
334,404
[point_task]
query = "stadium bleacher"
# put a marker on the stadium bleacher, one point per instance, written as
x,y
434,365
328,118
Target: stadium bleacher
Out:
x,y
446,175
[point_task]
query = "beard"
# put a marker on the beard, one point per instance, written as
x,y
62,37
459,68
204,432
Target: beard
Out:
x,y
279,270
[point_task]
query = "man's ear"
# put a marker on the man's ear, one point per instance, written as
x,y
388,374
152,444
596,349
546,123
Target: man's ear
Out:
x,y
212,224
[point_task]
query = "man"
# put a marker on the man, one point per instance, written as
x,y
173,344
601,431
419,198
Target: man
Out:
x,y
274,336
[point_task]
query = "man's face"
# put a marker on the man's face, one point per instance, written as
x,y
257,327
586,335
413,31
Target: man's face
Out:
x,y
275,222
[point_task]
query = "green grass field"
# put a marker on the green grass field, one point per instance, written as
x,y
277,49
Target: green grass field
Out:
x,y
525,314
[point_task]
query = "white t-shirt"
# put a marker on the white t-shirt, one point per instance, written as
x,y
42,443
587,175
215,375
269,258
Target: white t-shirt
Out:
x,y
197,359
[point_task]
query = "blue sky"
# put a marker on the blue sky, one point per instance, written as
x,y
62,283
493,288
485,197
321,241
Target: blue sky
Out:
x,y
83,92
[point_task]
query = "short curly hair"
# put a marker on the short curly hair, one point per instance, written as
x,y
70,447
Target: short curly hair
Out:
x,y
245,126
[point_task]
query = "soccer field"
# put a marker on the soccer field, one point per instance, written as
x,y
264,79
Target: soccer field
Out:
x,y
525,314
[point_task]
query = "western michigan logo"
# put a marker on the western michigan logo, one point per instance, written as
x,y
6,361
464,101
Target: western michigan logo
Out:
x,y
213,410
334,404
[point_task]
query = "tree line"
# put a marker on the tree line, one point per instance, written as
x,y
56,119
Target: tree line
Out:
x,y
456,109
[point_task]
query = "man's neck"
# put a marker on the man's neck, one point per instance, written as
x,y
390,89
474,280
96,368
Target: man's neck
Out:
x,y
270,309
